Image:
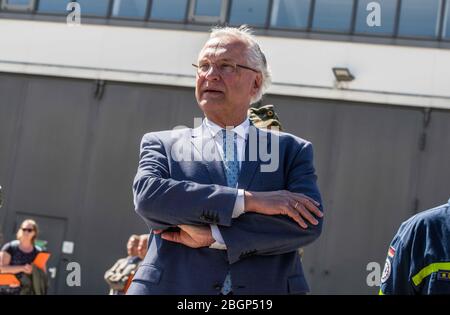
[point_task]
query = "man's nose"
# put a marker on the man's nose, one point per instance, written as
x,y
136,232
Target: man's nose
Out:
x,y
213,73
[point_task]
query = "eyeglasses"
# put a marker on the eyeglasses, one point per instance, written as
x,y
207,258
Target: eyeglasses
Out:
x,y
27,230
224,67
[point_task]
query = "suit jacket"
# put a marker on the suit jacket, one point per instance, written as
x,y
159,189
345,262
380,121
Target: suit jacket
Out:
x,y
262,251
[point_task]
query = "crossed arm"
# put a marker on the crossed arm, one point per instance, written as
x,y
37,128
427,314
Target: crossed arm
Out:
x,y
273,222
5,267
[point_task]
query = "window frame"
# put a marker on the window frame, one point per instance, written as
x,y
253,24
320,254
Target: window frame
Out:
x,y
266,23
90,15
351,26
151,19
48,13
31,12
307,27
144,18
445,19
438,25
192,17
17,7
395,21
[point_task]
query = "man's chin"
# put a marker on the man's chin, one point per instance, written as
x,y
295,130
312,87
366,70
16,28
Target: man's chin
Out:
x,y
210,103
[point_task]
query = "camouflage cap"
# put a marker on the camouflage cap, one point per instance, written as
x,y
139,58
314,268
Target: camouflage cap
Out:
x,y
264,117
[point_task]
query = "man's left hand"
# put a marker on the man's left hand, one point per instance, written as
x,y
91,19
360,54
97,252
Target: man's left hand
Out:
x,y
194,236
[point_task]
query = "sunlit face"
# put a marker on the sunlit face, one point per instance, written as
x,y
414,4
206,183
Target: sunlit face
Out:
x,y
132,246
27,231
225,95
142,247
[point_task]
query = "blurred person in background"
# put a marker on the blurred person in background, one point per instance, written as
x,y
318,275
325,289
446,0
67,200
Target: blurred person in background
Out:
x,y
123,270
16,257
143,245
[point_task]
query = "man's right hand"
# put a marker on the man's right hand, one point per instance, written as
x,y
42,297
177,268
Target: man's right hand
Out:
x,y
282,202
194,236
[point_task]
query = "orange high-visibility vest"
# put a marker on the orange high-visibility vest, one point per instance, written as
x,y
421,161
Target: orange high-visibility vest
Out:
x,y
127,285
10,279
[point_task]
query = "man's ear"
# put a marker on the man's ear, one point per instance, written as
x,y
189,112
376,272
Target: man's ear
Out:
x,y
257,82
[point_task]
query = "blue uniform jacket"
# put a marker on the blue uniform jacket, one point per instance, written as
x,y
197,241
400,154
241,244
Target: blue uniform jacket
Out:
x,y
418,260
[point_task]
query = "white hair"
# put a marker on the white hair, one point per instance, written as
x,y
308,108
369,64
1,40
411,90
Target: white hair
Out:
x,y
255,55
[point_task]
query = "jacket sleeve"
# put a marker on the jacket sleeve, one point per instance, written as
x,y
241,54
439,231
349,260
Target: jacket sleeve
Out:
x,y
397,272
164,202
256,234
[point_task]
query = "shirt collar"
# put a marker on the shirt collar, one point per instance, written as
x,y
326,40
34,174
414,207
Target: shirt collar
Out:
x,y
241,130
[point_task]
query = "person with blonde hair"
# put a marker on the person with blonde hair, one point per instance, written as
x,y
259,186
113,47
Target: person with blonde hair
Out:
x,y
16,257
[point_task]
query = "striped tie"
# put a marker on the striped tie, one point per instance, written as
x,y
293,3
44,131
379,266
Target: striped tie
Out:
x,y
231,163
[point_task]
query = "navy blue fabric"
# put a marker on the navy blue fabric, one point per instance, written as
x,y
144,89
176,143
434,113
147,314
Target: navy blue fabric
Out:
x,y
18,257
421,242
262,251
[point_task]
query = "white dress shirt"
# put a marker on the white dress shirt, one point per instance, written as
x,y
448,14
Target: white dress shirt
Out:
x,y
239,205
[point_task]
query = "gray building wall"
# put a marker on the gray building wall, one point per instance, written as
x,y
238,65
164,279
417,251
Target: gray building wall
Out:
x,y
69,152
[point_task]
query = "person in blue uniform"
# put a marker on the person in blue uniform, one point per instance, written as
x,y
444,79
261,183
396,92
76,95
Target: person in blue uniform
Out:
x,y
418,260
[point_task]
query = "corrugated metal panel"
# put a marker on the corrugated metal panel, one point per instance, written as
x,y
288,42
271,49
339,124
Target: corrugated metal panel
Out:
x,y
434,184
364,156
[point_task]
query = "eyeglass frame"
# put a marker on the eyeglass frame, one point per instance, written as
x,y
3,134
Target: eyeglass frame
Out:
x,y
235,64
28,230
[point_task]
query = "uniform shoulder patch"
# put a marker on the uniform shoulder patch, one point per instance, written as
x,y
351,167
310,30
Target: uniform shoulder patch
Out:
x,y
391,252
386,271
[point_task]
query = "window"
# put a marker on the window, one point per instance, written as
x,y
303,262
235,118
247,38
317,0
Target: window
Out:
x,y
17,5
210,11
171,10
17,2
94,8
446,30
252,12
332,15
419,18
290,13
130,8
208,7
387,10
53,6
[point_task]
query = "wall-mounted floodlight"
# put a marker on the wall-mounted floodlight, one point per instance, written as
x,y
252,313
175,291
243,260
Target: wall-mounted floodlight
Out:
x,y
343,75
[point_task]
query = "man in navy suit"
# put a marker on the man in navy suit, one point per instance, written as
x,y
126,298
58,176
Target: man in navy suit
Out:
x,y
228,205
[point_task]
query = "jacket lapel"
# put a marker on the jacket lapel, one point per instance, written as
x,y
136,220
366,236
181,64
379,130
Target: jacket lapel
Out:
x,y
248,167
